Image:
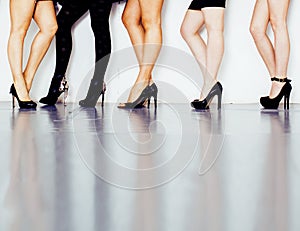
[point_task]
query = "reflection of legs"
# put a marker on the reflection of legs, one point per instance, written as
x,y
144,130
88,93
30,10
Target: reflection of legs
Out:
x,y
99,11
21,14
69,14
46,20
151,22
208,56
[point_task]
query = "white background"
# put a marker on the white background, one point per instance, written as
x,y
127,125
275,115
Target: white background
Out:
x,y
242,73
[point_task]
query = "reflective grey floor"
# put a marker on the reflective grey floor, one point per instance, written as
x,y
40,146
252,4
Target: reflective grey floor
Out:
x,y
65,168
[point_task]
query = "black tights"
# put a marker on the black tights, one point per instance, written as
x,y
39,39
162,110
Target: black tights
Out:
x,y
70,13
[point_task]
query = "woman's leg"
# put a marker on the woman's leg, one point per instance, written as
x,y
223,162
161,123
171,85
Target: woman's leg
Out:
x,y
278,19
190,31
258,29
132,21
46,20
21,14
208,56
151,22
70,13
214,22
99,12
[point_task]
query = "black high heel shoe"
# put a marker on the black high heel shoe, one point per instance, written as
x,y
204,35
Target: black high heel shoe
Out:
x,y
216,90
94,94
22,104
145,96
58,86
273,103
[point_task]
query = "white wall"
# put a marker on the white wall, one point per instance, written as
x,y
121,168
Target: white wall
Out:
x,y
243,74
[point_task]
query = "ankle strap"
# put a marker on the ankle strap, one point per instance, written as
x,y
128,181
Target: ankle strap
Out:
x,y
284,80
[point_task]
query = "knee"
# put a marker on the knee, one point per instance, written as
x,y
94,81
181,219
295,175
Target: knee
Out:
x,y
277,23
257,31
18,32
186,32
151,23
129,21
49,29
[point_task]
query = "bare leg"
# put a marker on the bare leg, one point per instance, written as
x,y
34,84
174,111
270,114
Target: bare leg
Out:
x,y
208,56
258,28
21,14
132,21
151,22
191,25
278,18
46,21
214,22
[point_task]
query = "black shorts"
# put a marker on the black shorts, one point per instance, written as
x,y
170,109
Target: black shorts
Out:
x,y
199,4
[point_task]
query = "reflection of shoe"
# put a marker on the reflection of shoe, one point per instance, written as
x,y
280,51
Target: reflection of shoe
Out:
x,y
22,104
216,90
145,96
94,94
273,103
58,86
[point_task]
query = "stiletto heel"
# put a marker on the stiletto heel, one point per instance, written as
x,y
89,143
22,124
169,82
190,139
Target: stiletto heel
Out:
x,y
216,90
65,89
155,100
102,102
219,101
284,93
13,101
22,104
287,101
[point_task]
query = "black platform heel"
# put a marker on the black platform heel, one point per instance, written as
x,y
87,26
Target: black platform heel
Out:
x,y
273,103
94,94
58,86
216,90
22,104
146,95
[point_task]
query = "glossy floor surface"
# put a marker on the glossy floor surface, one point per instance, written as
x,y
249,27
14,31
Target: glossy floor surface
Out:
x,y
65,168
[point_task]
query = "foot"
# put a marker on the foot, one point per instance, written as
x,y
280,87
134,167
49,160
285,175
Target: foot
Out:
x,y
22,92
135,92
86,103
207,86
275,89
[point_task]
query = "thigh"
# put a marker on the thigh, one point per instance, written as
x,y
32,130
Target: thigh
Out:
x,y
45,15
132,9
71,12
99,10
278,8
151,9
21,13
214,18
261,15
193,20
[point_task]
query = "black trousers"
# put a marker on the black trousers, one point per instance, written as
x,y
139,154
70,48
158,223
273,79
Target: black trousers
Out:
x,y
71,12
